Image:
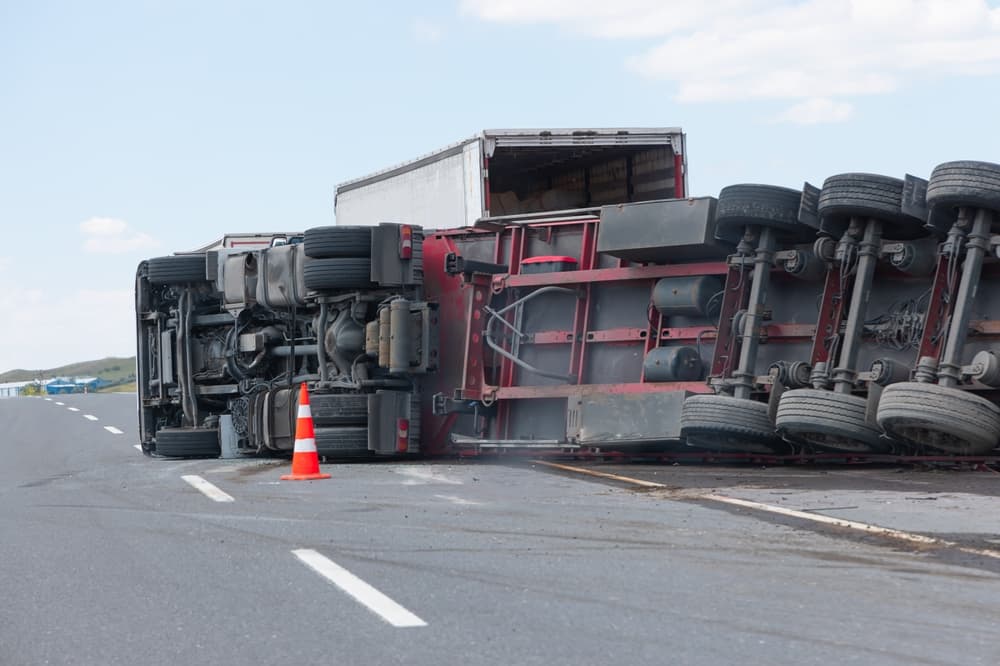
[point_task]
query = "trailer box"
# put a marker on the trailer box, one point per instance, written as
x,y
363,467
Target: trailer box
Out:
x,y
501,173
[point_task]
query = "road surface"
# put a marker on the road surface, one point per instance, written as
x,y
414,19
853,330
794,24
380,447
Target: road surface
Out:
x,y
109,557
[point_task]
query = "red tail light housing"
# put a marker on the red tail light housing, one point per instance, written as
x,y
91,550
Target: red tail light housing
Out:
x,y
402,435
405,242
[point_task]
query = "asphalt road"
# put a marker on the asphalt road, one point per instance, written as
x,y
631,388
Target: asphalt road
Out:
x,y
107,557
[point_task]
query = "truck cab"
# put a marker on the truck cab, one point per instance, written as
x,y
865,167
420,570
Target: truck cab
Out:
x,y
228,332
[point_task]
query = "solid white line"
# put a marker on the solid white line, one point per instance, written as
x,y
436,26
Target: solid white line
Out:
x,y
601,475
90,417
362,592
73,409
853,525
210,490
814,517
61,404
113,430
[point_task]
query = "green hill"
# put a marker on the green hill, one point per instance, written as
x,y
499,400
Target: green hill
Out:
x,y
114,370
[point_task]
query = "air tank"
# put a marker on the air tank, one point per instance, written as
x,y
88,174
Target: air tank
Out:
x,y
687,296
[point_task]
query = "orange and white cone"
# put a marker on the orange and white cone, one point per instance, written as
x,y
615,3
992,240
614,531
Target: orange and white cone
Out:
x,y
305,460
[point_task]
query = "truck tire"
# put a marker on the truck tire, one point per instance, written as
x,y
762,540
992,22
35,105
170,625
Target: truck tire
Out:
x,y
721,422
762,206
338,273
338,409
330,242
954,184
187,442
176,269
867,195
938,417
828,420
348,442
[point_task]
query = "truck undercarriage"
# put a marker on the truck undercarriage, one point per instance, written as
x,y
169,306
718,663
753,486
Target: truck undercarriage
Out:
x,y
841,321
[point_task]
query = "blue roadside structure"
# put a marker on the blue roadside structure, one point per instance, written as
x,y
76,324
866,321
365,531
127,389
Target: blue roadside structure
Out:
x,y
75,385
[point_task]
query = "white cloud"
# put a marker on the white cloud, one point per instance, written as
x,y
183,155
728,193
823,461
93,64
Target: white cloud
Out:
x,y
109,235
47,328
734,50
816,110
425,31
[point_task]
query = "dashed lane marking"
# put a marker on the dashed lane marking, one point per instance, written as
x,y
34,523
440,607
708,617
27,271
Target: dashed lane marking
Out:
x,y
866,528
113,430
208,489
137,447
73,409
61,404
361,591
48,400
90,417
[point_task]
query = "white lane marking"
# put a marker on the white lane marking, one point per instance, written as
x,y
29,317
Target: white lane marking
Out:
x,y
73,409
137,447
362,592
867,528
90,417
458,500
422,475
48,400
854,525
210,490
113,430
61,404
602,475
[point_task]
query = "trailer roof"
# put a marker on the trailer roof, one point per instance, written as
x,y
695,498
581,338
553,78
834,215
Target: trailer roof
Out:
x,y
534,137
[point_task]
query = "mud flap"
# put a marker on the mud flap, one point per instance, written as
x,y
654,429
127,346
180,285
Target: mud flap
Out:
x,y
393,423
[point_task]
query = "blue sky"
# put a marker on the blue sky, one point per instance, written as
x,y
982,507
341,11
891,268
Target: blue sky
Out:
x,y
132,129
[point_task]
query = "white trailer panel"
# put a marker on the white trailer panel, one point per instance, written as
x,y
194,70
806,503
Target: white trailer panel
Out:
x,y
504,172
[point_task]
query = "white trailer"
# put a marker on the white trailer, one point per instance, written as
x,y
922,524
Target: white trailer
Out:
x,y
516,172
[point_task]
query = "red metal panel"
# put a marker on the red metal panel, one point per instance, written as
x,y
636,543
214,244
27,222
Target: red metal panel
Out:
x,y
938,311
581,313
679,192
831,313
607,335
736,295
569,390
783,332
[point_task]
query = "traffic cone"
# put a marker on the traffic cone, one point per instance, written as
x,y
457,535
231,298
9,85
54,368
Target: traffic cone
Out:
x,y
305,460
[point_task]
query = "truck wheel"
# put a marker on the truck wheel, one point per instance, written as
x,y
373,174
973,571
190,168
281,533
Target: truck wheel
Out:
x,y
338,409
721,422
338,273
868,195
349,442
187,442
955,184
938,417
176,269
760,205
329,242
828,420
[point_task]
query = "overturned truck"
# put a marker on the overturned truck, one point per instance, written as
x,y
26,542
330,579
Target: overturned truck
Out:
x,y
841,320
